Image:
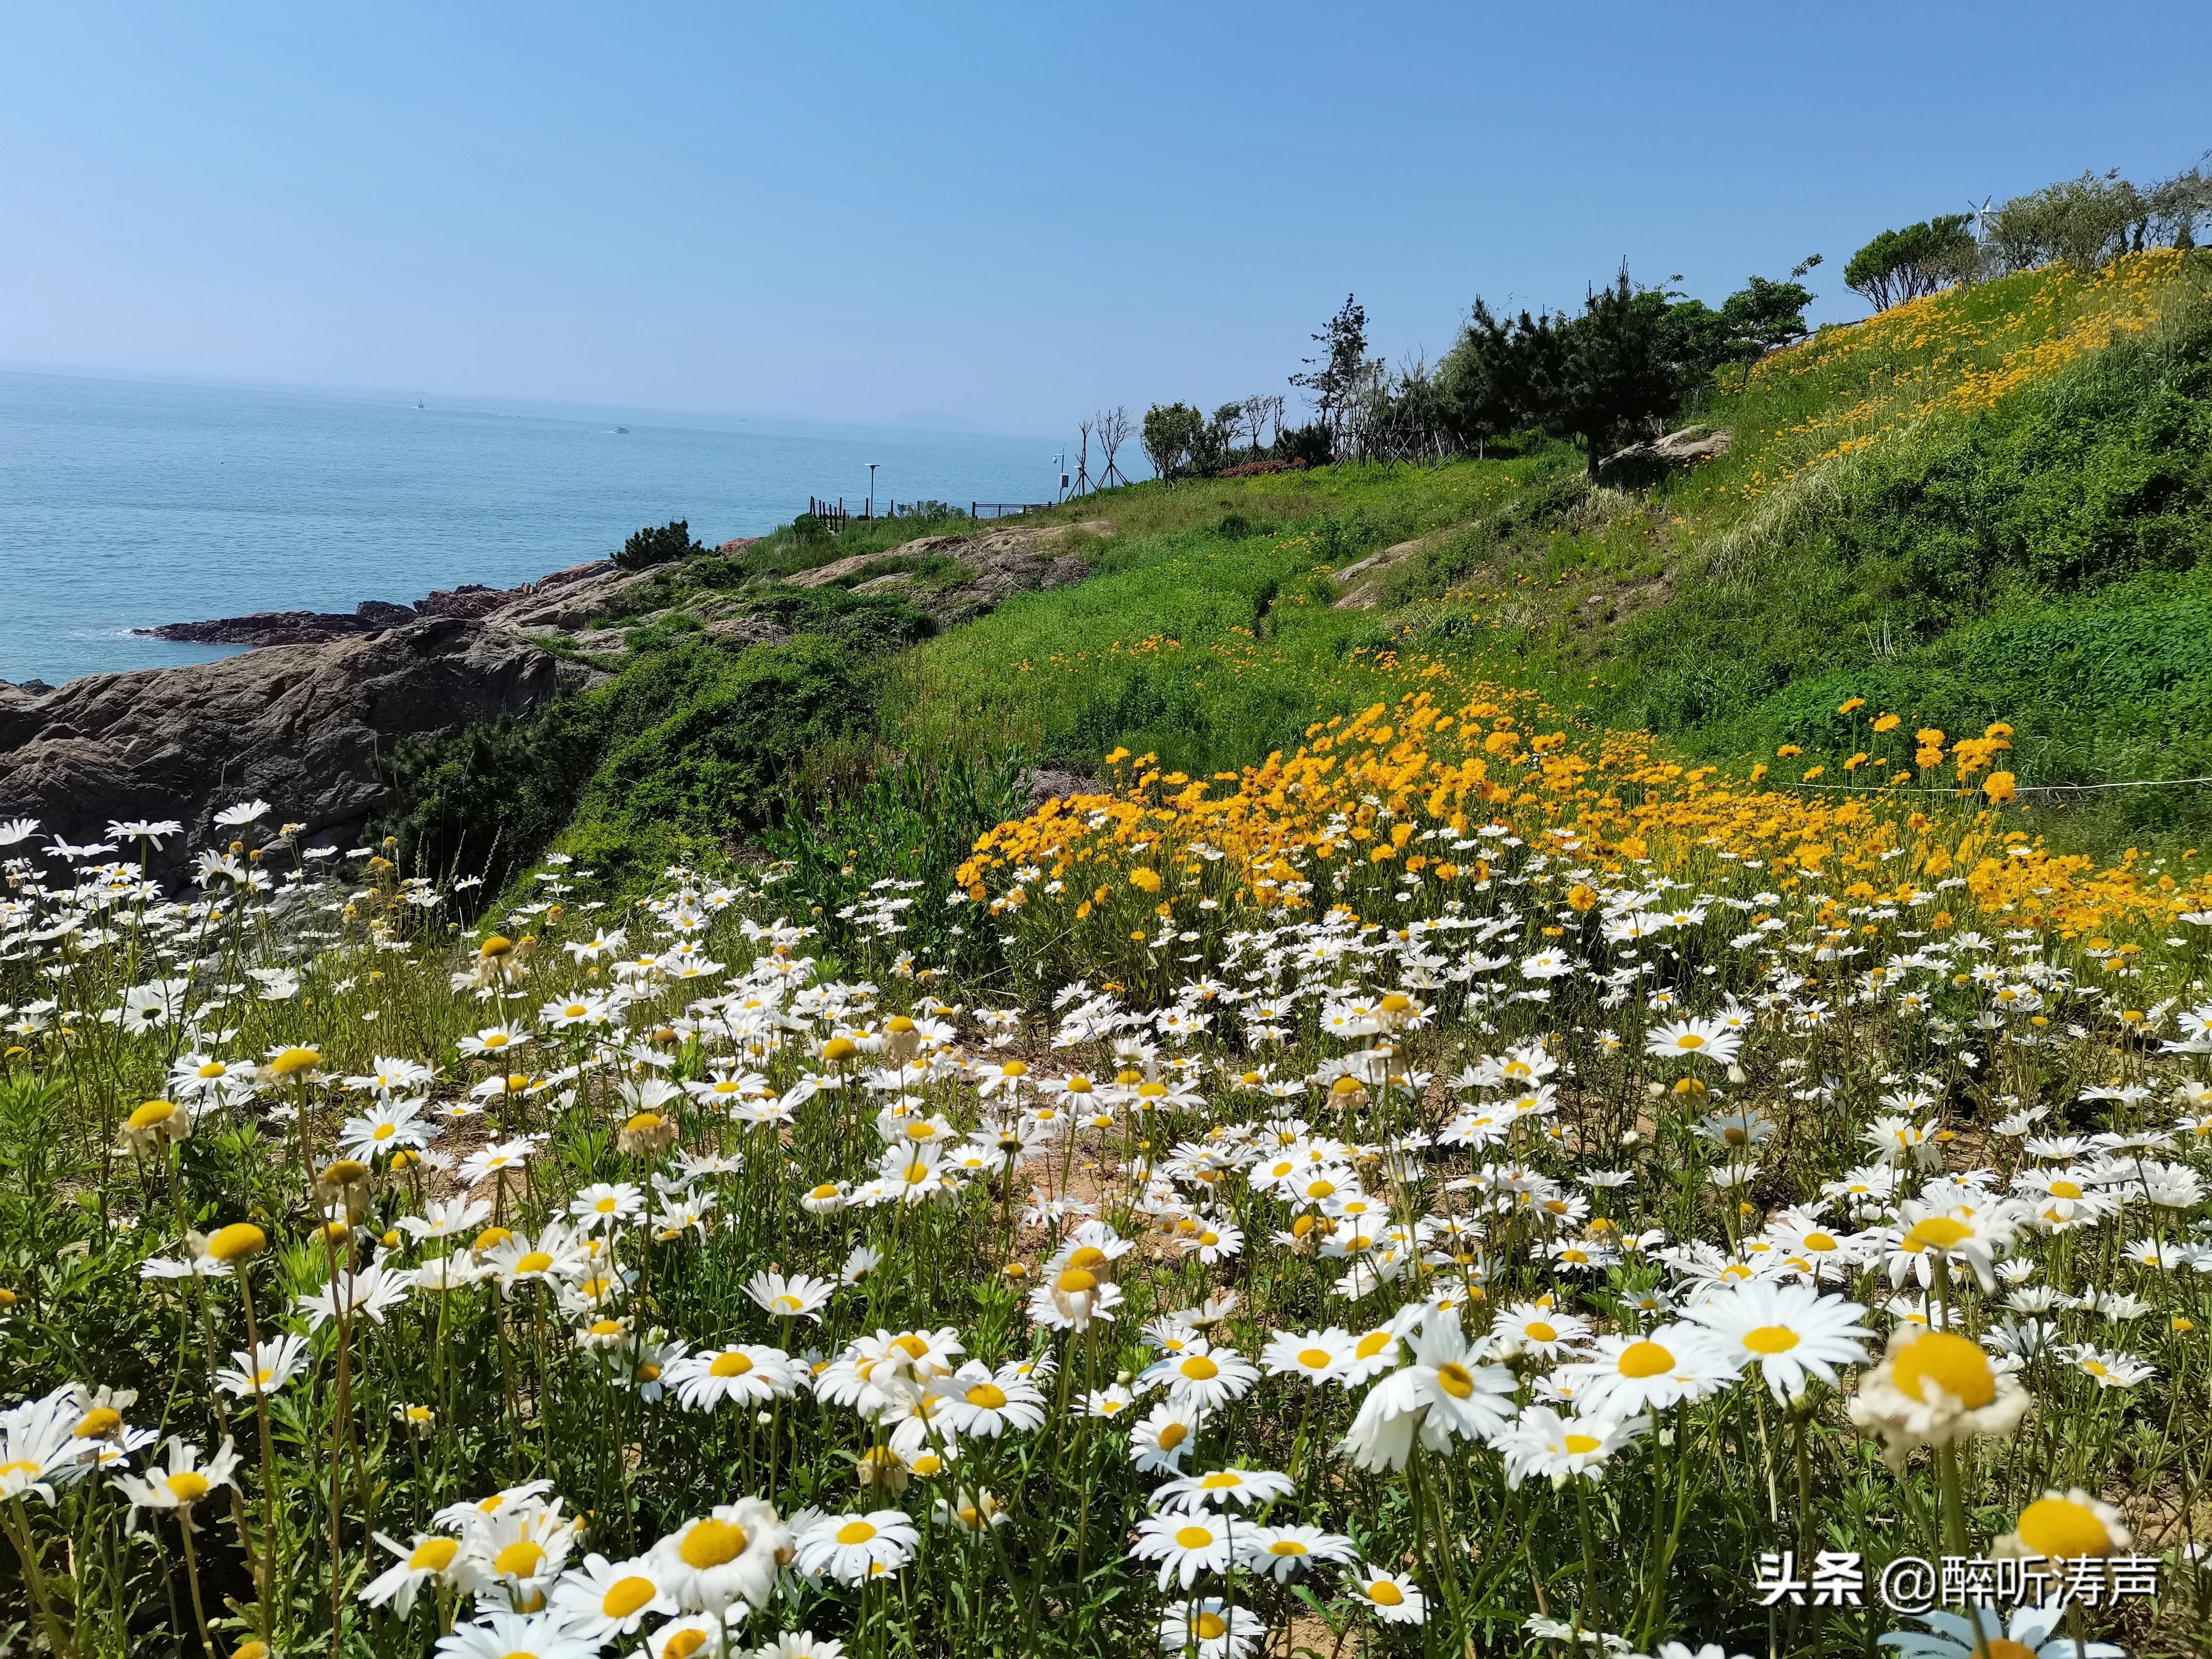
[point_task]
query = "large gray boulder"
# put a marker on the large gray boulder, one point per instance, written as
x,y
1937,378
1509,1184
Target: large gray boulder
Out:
x,y
300,727
1641,465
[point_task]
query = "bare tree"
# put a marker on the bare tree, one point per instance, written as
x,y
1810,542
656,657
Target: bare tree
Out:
x,y
1114,430
1082,483
1256,409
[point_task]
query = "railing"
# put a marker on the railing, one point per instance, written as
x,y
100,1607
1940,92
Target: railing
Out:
x,y
835,515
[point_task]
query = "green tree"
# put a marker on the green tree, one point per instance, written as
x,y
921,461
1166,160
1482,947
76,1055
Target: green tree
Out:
x,y
1334,377
1903,264
1497,378
1171,433
1764,315
1621,369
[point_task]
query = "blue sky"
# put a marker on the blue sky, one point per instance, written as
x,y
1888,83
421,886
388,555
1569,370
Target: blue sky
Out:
x,y
1010,213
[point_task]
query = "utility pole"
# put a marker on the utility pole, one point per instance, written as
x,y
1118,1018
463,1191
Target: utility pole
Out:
x,y
871,489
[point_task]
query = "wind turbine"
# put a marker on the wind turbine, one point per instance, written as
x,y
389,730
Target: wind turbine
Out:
x,y
1980,216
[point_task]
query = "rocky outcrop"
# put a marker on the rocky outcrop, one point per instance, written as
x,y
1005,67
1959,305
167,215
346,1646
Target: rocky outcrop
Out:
x,y
1011,551
471,600
551,607
298,726
993,566
1361,584
1053,783
1641,465
286,627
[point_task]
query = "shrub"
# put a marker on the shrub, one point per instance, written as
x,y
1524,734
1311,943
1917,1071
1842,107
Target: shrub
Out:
x,y
663,545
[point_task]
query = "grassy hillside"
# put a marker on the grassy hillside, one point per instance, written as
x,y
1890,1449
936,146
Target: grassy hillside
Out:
x,y
1991,504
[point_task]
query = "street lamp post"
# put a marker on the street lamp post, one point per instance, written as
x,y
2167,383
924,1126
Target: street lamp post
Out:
x,y
871,489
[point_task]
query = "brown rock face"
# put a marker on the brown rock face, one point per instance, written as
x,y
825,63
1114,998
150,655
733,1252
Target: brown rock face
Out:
x,y
300,727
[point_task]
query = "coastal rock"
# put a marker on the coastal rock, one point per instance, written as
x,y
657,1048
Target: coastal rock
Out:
x,y
1009,551
469,600
1640,465
563,605
994,565
300,727
262,628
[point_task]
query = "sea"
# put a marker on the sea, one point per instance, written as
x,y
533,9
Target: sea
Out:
x,y
126,503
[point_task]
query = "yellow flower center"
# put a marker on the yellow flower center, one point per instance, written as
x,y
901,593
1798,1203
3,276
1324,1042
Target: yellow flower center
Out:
x,y
1384,1593
730,1365
1192,1538
188,1487
1583,1444
99,1423
1819,1241
1689,1040
989,1396
519,1560
712,1543
1646,1359
2065,1190
1314,1359
152,1112
536,1262
1456,1380
1076,1282
1173,1434
626,1595
1941,1360
1938,1232
434,1554
1211,1625
1770,1339
1199,1369
855,1531
684,1644
1538,1331
1372,1343
1085,1255
2059,1526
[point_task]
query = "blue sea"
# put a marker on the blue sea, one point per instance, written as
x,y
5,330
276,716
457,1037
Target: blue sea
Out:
x,y
124,504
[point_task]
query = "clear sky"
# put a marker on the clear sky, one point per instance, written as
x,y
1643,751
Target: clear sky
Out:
x,y
1010,213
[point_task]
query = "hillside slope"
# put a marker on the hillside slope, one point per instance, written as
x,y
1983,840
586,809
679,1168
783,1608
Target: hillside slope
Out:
x,y
1993,503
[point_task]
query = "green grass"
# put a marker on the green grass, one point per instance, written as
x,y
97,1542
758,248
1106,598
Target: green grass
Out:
x,y
1993,505
1208,633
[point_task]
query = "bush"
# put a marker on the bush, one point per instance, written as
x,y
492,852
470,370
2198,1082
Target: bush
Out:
x,y
716,742
1306,446
664,545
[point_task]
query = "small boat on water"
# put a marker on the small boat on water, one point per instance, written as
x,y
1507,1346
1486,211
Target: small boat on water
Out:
x,y
623,431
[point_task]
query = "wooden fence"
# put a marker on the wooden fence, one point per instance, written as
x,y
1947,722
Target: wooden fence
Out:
x,y
835,515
